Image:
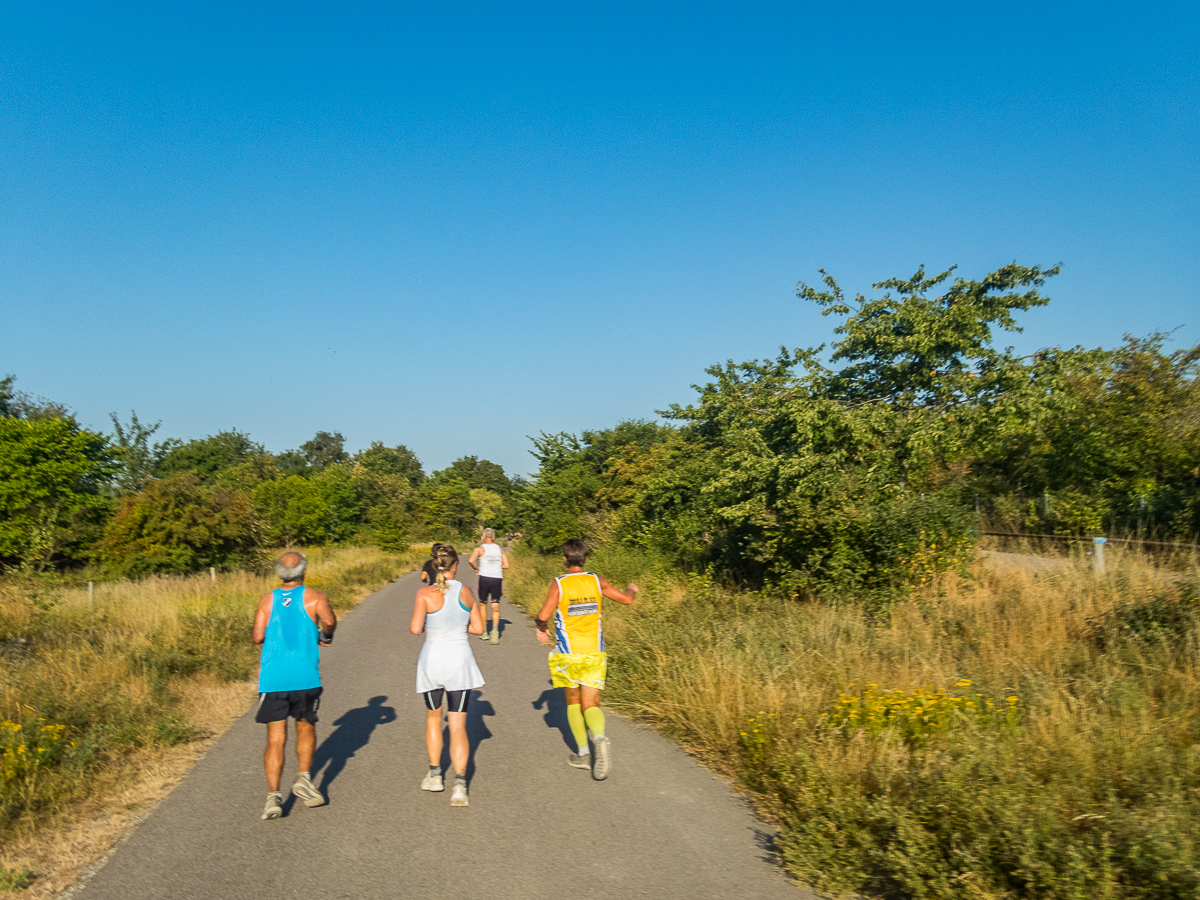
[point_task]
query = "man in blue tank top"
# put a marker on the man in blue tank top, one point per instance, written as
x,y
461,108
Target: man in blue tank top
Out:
x,y
292,622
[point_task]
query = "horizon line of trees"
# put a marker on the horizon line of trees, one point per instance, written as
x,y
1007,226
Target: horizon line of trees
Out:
x,y
857,478
71,497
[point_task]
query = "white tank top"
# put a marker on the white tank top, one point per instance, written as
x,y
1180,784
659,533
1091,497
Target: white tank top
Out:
x,y
491,563
448,624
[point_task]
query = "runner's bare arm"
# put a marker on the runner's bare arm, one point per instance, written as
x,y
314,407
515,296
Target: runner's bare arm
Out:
x,y
261,617
547,610
474,558
418,619
322,614
503,559
476,625
612,593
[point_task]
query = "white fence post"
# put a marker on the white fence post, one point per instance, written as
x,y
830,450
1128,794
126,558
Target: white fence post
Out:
x,y
1098,553
90,594
213,573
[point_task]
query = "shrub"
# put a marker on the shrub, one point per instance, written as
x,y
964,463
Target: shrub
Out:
x,y
178,525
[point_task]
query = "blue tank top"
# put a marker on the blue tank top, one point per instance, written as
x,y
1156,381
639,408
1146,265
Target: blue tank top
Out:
x,y
290,658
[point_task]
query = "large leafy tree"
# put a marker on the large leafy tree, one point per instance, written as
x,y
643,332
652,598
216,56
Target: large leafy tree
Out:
x,y
325,449
205,456
323,509
830,479
398,460
52,472
478,473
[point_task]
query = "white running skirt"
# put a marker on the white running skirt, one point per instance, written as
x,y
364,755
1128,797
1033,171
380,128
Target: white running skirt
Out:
x,y
449,664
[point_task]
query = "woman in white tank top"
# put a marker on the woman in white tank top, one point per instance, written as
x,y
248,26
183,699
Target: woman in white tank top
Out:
x,y
446,611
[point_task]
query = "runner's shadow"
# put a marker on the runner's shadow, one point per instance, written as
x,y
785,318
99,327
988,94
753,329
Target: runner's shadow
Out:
x,y
555,716
477,730
352,732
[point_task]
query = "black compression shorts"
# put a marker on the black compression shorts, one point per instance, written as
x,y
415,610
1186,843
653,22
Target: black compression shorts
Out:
x,y
490,586
275,706
456,701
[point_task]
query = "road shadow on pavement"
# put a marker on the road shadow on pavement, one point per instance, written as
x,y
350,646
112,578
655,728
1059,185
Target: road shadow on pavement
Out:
x,y
352,731
477,733
554,703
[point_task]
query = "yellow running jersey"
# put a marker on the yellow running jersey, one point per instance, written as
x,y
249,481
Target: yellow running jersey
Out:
x,y
577,618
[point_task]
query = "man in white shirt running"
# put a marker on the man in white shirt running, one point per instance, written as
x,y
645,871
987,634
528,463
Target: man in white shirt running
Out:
x,y
489,561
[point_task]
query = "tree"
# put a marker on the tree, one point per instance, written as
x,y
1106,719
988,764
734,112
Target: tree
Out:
x,y
20,405
51,475
447,507
478,473
1111,440
489,508
831,481
323,509
568,497
314,455
914,351
179,524
324,450
133,452
205,456
398,460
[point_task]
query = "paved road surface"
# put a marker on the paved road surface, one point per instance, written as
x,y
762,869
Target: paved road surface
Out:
x,y
660,826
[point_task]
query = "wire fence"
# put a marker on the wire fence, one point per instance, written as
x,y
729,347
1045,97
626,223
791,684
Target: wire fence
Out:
x,y
1070,537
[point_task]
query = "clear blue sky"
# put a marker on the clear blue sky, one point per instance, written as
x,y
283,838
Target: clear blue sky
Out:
x,y
454,225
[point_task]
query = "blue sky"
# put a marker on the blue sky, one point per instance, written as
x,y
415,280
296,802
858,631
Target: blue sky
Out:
x,y
454,225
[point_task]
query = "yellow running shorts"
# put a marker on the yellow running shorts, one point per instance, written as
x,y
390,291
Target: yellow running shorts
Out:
x,y
570,669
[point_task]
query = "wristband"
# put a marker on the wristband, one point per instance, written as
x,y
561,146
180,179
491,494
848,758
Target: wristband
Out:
x,y
323,637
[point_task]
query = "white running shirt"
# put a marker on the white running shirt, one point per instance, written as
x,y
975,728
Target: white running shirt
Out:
x,y
491,564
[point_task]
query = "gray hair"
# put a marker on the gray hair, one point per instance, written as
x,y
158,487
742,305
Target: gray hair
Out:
x,y
489,533
291,573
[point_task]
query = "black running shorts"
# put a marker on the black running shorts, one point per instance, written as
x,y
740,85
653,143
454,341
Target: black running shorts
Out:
x,y
457,701
275,706
490,586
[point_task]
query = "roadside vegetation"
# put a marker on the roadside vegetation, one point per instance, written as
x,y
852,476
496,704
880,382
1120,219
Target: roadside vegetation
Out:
x,y
93,692
994,734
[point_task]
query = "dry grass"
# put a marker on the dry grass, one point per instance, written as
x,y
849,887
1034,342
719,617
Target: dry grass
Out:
x,y
1096,792
143,678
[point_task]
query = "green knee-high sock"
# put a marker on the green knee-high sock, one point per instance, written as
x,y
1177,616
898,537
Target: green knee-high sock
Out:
x,y
594,718
578,729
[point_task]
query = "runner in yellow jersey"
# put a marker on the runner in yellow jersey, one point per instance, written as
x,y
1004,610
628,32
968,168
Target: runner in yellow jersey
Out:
x,y
578,662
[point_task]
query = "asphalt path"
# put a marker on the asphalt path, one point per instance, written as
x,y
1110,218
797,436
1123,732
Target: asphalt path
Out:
x,y
661,826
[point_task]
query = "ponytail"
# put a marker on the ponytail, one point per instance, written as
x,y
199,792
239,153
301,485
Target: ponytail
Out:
x,y
445,557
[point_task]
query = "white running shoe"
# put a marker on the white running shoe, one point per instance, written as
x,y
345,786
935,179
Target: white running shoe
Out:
x,y
272,810
484,636
458,796
603,754
580,760
432,783
307,792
